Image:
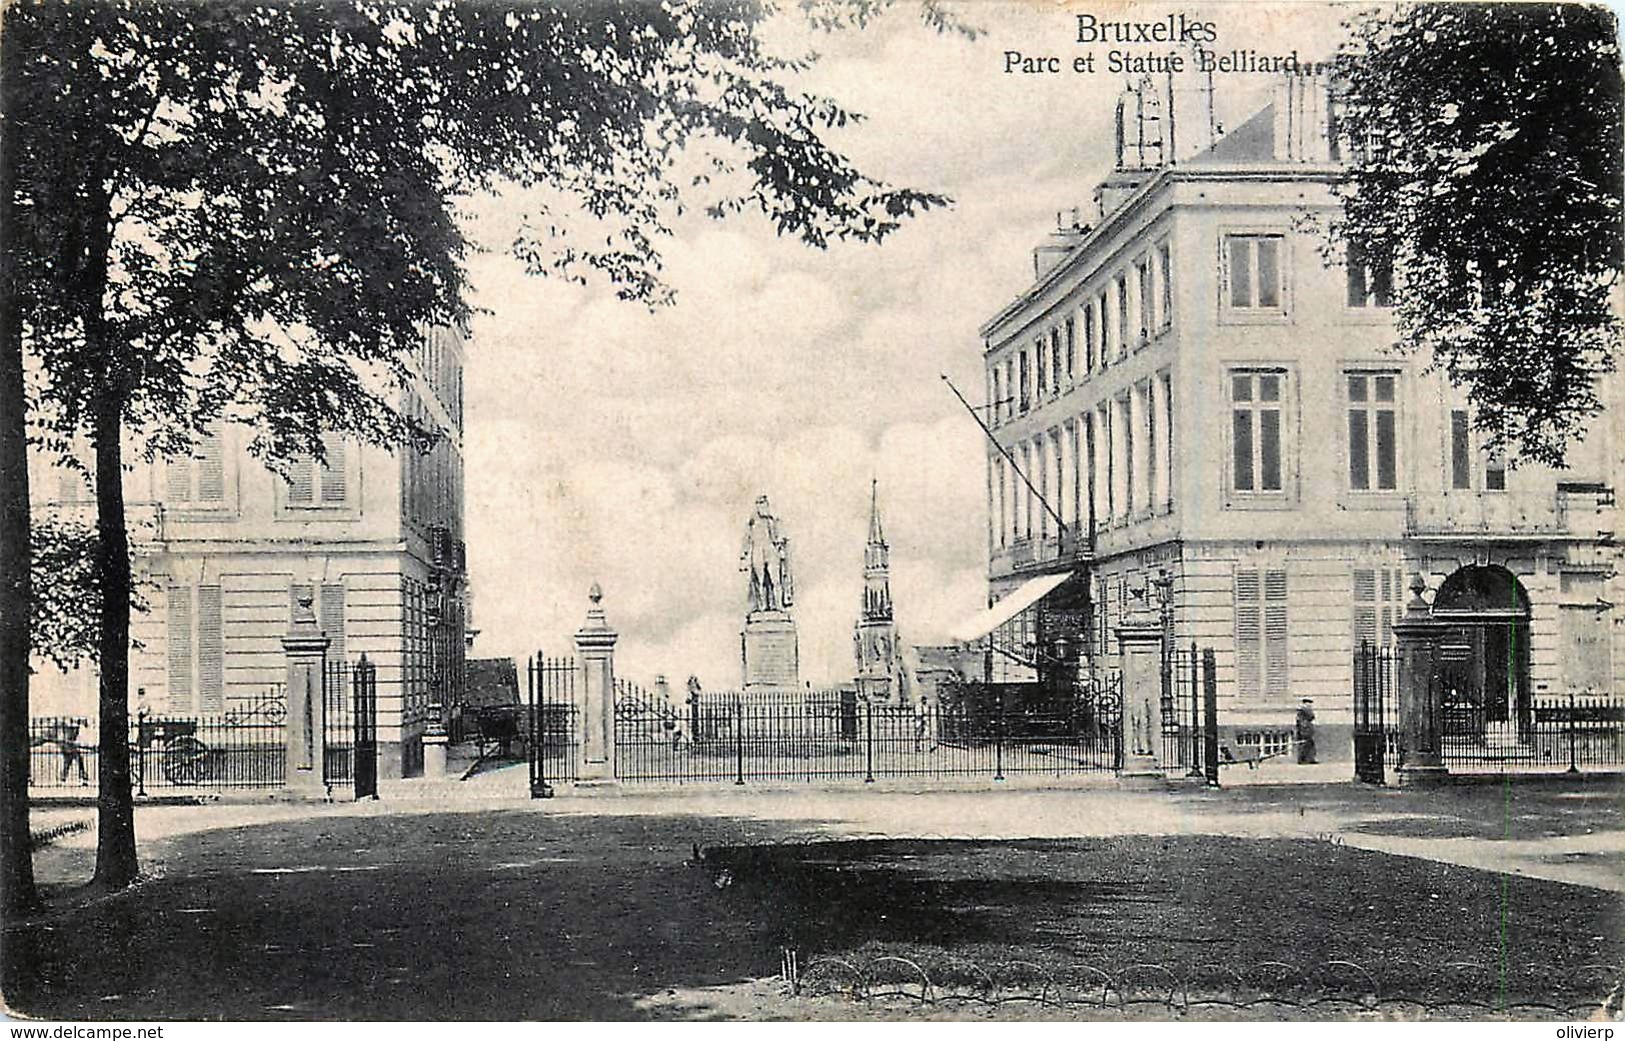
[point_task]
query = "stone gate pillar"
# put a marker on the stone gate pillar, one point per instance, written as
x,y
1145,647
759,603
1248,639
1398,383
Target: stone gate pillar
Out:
x,y
595,658
305,648
1416,638
1139,641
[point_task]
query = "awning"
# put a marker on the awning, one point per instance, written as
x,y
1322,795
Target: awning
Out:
x,y
1025,596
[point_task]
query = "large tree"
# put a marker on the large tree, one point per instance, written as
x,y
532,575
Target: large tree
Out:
x,y
250,212
1486,163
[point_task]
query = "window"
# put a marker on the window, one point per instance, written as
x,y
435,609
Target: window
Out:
x,y
1261,633
1165,271
1123,334
1071,348
1379,601
1373,431
1142,275
1268,742
1125,424
1103,302
999,463
1009,387
1583,623
1026,382
1043,366
1370,279
1495,474
1255,430
320,484
995,407
196,649
1461,469
1038,472
1253,269
1089,337
199,479
1055,360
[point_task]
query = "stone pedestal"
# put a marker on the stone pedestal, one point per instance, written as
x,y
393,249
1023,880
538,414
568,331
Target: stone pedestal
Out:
x,y
435,741
770,652
1139,642
305,648
1416,638
595,657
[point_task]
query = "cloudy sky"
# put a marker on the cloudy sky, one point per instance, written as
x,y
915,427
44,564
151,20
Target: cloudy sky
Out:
x,y
608,444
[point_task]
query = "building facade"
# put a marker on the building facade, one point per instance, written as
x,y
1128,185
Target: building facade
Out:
x,y
224,548
1198,414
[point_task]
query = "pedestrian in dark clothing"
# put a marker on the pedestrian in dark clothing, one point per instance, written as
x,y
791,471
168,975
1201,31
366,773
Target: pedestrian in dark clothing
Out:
x,y
1306,732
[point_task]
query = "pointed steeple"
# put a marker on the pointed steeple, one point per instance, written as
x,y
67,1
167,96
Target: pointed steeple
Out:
x,y
876,536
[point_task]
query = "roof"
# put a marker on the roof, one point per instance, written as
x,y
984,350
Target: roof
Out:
x,y
1025,595
1252,142
491,681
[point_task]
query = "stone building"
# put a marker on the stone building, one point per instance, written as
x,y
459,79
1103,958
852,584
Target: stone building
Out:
x,y
1198,417
224,547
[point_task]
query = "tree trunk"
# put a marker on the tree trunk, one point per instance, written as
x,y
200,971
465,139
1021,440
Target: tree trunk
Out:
x,y
115,817
16,591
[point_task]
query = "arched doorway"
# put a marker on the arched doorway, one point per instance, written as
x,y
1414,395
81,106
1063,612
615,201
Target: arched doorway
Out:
x,y
1485,658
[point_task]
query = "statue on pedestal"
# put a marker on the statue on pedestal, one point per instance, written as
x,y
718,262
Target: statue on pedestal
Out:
x,y
766,556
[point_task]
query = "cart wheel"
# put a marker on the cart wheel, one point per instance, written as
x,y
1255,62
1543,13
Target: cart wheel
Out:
x,y
185,760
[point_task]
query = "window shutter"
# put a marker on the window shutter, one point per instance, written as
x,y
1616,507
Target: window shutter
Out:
x,y
211,469
301,478
1275,632
179,634
178,480
331,615
333,475
211,650
1365,606
1248,632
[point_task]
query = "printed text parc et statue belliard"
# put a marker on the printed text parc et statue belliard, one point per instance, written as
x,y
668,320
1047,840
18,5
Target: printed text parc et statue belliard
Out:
x,y
1173,44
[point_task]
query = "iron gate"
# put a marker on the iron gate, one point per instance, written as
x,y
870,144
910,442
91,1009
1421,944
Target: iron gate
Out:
x,y
350,727
1184,744
552,734
365,680
1374,703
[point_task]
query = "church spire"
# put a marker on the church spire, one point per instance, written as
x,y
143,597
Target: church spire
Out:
x,y
876,536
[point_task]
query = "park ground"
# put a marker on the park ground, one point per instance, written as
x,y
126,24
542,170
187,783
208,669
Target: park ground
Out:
x,y
1298,901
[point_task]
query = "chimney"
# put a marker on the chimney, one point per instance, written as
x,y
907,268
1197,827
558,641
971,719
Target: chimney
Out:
x,y
1069,233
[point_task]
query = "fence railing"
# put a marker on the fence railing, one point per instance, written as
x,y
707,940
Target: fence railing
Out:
x,y
1562,732
244,747
989,730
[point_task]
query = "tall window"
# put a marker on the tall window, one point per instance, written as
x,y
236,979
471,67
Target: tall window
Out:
x,y
1261,632
995,406
1026,381
1165,272
1461,458
1370,279
1004,524
1142,275
1055,360
1089,346
1009,387
1379,601
1255,430
196,649
312,483
1042,364
1253,270
1071,348
1123,333
1106,327
1373,431
199,478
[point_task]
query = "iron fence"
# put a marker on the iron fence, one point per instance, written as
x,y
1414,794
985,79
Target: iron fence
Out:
x,y
1570,732
1183,744
1376,708
974,729
244,747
